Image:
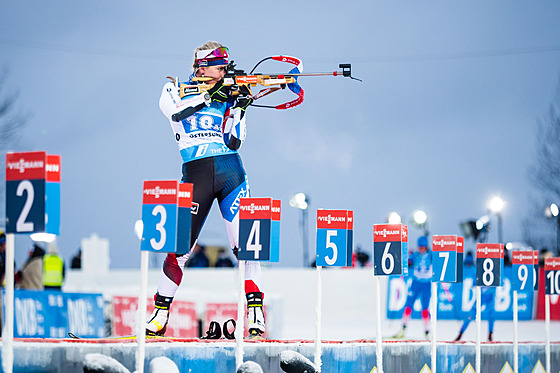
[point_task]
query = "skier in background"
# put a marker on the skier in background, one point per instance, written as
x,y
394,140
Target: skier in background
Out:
x,y
487,300
208,133
420,269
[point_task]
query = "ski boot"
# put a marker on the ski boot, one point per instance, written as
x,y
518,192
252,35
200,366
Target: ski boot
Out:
x,y
490,337
255,315
400,334
459,337
427,335
157,323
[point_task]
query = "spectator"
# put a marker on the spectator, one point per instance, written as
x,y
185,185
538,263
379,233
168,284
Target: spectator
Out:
x,y
198,258
31,274
223,259
53,269
469,259
77,260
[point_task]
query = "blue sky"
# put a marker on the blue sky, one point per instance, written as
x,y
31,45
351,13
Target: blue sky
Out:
x,y
444,119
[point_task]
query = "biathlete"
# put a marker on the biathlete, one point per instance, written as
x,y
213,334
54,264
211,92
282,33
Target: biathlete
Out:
x,y
209,128
487,301
420,269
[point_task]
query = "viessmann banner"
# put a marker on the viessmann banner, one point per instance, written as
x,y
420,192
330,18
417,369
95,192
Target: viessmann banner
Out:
x,y
455,300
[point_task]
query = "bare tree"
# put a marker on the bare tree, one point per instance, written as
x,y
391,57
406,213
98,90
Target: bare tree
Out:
x,y
11,123
544,174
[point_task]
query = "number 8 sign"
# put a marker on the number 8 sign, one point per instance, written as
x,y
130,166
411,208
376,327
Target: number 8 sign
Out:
x,y
166,214
489,264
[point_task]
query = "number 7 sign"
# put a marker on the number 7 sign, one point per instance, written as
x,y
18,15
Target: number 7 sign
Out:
x,y
444,258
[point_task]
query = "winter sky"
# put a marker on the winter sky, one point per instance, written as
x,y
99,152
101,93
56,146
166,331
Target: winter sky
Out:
x,y
445,117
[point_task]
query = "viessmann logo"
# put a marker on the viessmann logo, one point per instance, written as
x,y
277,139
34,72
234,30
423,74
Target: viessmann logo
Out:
x,y
23,165
183,194
252,208
385,232
443,243
523,256
157,192
329,219
487,250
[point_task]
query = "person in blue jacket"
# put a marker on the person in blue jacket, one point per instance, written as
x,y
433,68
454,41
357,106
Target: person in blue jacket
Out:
x,y
487,300
420,270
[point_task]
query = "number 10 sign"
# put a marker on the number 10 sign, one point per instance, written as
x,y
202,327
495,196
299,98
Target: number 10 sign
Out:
x,y
166,214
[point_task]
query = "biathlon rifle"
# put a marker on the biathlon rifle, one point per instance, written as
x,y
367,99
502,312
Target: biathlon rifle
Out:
x,y
271,82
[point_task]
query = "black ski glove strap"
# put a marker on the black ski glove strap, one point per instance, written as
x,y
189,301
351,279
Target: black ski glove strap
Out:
x,y
219,92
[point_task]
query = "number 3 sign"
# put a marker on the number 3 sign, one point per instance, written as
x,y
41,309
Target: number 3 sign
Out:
x,y
489,264
33,193
166,214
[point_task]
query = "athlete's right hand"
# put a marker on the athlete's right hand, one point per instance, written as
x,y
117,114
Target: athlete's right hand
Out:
x,y
219,92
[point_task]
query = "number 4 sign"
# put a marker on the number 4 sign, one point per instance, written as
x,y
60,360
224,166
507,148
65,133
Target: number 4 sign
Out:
x,y
334,238
166,214
489,264
259,229
33,193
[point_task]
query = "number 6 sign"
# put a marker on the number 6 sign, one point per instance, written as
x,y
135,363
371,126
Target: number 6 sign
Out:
x,y
389,242
166,214
33,193
489,264
334,238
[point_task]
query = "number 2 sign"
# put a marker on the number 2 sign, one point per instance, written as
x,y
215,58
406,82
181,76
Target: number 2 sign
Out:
x,y
33,193
166,214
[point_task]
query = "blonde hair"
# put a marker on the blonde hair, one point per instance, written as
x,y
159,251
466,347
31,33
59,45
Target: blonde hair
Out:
x,y
210,45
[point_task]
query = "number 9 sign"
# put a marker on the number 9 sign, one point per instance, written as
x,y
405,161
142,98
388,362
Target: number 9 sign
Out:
x,y
522,265
166,214
489,264
33,193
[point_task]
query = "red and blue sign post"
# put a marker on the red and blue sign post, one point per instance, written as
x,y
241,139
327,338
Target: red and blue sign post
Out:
x,y
166,214
259,229
334,238
522,263
390,249
489,264
444,258
32,193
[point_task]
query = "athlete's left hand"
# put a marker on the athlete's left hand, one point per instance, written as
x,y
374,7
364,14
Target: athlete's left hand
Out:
x,y
244,99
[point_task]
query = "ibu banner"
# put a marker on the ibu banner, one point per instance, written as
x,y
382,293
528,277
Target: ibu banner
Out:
x,y
52,314
457,300
259,229
183,322
334,238
32,193
166,215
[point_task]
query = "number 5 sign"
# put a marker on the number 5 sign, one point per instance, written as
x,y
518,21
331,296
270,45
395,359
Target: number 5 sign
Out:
x,y
259,229
33,193
489,264
389,242
334,238
166,214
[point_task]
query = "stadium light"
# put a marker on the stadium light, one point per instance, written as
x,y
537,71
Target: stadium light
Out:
x,y
301,202
394,218
552,211
420,219
496,206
